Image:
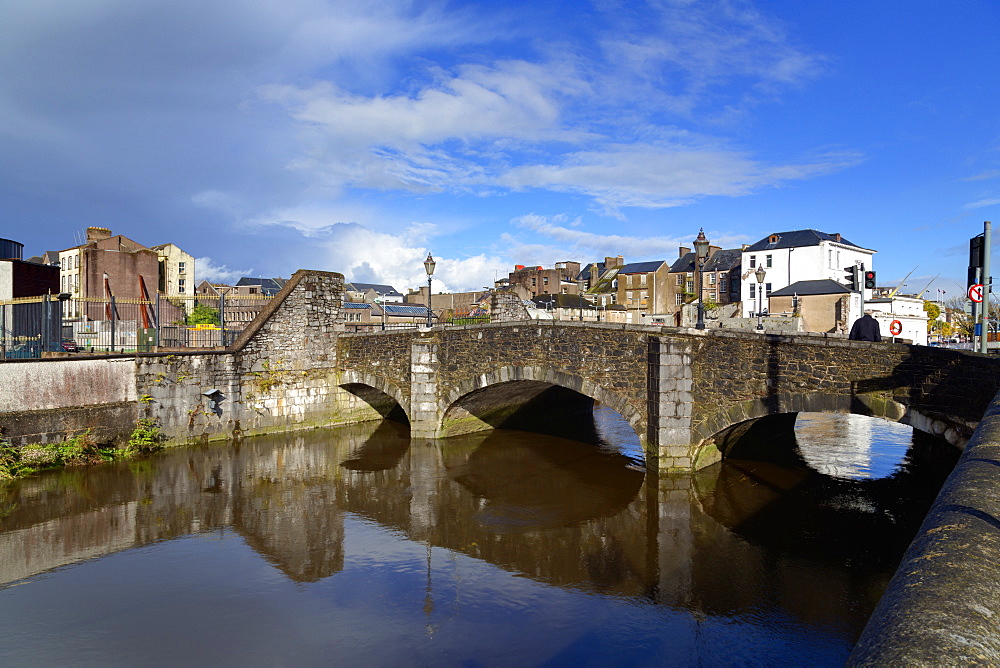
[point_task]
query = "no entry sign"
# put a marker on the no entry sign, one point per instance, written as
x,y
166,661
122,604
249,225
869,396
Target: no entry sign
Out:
x,y
976,292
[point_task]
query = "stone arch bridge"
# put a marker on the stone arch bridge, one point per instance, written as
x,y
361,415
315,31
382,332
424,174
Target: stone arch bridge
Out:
x,y
688,394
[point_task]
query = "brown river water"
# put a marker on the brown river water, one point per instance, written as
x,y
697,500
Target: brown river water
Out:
x,y
358,546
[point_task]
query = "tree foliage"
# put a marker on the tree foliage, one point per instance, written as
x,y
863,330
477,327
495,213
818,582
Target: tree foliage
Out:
x,y
202,315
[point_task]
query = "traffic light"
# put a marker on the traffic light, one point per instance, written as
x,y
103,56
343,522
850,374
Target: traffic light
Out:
x,y
870,279
851,280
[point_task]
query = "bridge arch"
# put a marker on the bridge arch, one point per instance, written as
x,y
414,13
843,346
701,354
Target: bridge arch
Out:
x,y
355,382
456,419
721,431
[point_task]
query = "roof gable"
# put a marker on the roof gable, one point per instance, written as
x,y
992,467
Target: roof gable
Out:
x,y
378,288
796,239
823,286
641,267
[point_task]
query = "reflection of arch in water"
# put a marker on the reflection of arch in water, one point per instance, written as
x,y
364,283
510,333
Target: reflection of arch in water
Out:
x,y
530,481
383,397
800,512
530,399
382,451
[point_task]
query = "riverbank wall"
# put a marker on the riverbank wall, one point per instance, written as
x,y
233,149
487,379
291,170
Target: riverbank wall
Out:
x,y
942,607
280,374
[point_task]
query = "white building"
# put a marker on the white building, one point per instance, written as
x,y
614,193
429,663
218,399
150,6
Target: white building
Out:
x,y
177,275
907,314
801,255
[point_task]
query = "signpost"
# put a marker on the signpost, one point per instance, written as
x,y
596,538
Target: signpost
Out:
x,y
980,281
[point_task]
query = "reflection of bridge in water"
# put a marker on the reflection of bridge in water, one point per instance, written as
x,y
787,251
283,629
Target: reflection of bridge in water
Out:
x,y
560,512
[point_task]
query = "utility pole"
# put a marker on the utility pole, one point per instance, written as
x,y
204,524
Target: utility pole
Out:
x,y
984,317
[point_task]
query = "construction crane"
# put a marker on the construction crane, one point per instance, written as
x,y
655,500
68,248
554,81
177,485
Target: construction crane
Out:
x,y
928,286
896,289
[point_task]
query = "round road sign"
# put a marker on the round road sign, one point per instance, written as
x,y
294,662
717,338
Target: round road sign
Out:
x,y
976,292
895,327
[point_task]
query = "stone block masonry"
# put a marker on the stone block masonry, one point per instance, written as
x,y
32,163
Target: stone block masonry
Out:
x,y
679,389
280,374
942,607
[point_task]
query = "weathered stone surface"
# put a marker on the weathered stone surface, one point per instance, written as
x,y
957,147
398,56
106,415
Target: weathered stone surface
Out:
x,y
295,366
942,607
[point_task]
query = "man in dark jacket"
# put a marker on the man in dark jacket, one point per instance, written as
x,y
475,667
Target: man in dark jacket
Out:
x,y
866,329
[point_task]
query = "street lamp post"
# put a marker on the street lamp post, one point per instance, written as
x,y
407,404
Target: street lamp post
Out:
x,y
579,289
223,290
429,264
701,255
760,273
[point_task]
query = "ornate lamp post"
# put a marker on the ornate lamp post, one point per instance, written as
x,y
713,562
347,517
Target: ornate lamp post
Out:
x,y
579,289
760,295
701,255
429,265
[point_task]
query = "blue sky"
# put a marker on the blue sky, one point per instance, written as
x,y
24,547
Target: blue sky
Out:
x,y
264,136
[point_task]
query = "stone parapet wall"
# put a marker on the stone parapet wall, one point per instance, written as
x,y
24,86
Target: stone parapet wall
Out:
x,y
942,607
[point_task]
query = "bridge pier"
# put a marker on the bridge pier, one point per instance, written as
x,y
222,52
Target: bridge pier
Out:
x,y
425,414
671,405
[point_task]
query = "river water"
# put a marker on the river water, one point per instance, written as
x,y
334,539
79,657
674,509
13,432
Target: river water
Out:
x,y
358,546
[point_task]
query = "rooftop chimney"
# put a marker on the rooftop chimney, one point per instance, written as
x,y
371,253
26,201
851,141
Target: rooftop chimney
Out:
x,y
97,234
682,251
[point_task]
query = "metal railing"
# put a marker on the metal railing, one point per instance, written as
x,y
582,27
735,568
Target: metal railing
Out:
x,y
32,326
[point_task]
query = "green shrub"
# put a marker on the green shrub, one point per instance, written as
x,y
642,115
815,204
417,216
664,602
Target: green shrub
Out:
x,y
145,438
11,465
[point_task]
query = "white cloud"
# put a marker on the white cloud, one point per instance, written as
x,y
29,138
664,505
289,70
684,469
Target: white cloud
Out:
x,y
207,270
980,204
660,177
369,256
984,176
521,124
562,242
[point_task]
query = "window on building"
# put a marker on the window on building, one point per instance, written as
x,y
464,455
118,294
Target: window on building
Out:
x,y
678,299
642,279
180,268
767,289
753,261
711,278
711,295
767,260
545,280
722,284
680,280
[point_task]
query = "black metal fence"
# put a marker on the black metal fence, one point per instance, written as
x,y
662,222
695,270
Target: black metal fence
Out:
x,y
32,326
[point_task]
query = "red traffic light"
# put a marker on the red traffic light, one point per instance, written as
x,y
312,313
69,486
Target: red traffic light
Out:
x,y
870,279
